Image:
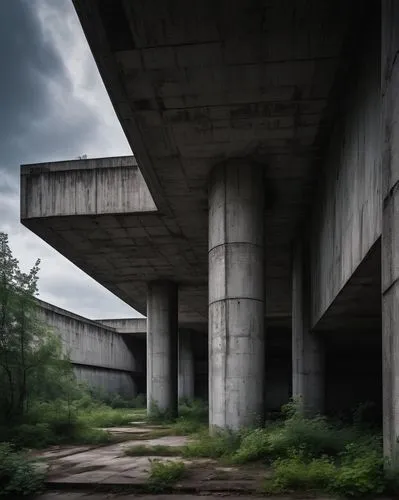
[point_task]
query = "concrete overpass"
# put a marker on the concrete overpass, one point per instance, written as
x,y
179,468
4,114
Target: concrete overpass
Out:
x,y
264,194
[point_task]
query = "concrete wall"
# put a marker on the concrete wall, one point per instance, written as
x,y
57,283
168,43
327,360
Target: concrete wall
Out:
x,y
101,356
347,213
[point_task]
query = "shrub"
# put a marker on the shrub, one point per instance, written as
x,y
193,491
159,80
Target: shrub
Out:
x,y
196,410
361,472
298,473
314,436
163,475
255,445
18,475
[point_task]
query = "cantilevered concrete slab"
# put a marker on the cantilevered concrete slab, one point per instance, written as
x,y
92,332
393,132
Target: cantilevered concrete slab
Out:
x,y
100,214
193,87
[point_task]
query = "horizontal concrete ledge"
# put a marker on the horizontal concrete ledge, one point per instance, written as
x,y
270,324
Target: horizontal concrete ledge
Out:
x,y
226,299
63,312
105,186
128,326
108,368
78,164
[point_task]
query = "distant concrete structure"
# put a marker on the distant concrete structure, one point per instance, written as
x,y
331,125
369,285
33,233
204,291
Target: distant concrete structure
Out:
x,y
102,357
263,189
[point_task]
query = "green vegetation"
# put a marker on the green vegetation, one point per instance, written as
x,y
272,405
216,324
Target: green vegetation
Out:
x,y
41,402
163,475
153,451
18,475
305,454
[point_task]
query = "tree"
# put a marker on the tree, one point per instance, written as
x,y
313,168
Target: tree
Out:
x,y
31,360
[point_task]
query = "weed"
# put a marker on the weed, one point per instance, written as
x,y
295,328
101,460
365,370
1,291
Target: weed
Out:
x,y
163,475
153,451
222,444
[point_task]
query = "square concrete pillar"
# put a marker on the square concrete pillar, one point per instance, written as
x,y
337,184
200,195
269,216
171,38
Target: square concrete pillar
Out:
x,y
307,347
390,227
162,347
186,366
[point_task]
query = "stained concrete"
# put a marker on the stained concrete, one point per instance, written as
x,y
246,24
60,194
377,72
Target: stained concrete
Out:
x,y
186,381
347,211
162,347
390,228
102,357
307,346
236,295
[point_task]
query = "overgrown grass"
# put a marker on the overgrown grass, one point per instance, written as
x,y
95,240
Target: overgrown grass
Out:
x,y
103,416
153,451
163,475
222,444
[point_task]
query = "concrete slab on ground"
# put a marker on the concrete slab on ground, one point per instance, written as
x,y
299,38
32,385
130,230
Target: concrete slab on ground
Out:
x,y
108,467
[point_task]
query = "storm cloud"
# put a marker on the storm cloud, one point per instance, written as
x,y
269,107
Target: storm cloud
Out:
x,y
53,106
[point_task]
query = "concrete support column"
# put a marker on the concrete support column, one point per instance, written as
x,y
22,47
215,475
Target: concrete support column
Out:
x,y
307,347
186,366
162,348
236,295
390,227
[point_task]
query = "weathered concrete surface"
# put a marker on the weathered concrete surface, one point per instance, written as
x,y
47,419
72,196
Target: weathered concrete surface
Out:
x,y
81,187
307,346
186,366
347,213
100,355
236,295
162,346
108,467
390,227
190,90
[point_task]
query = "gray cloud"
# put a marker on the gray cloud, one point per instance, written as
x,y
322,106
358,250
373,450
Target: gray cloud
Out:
x,y
53,107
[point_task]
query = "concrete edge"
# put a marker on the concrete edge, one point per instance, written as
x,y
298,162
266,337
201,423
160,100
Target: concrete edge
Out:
x,y
79,164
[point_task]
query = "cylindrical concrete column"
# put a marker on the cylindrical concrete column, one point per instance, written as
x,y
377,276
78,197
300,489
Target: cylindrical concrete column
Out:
x,y
162,347
307,347
186,366
236,295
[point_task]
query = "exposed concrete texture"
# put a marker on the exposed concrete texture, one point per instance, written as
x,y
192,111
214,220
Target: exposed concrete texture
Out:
x,y
162,346
390,227
191,89
110,381
81,187
236,295
186,366
100,355
347,213
307,347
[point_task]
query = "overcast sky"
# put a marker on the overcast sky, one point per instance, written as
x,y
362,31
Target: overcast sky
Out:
x,y
53,106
